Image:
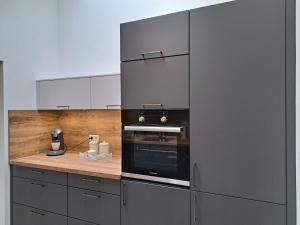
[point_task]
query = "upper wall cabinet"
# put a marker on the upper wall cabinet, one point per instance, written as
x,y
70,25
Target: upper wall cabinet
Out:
x,y
106,92
64,94
156,37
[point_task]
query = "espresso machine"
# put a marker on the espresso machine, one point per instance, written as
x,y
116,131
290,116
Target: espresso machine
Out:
x,y
57,143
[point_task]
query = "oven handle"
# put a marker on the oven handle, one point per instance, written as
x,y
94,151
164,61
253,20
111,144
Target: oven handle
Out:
x,y
154,129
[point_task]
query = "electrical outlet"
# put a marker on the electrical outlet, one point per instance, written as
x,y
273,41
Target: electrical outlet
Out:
x,y
94,138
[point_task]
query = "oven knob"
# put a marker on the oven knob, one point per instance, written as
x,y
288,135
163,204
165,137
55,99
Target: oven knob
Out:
x,y
141,119
163,119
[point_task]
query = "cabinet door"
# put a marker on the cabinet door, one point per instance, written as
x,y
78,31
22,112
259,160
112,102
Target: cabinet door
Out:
x,y
106,92
155,37
148,204
23,215
237,103
156,81
96,207
210,209
65,94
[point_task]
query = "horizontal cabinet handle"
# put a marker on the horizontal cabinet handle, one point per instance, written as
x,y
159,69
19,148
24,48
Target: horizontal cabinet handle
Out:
x,y
90,180
151,53
91,196
40,185
110,106
150,105
37,213
154,129
37,171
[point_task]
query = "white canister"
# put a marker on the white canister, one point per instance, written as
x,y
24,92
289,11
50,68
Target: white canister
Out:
x,y
104,148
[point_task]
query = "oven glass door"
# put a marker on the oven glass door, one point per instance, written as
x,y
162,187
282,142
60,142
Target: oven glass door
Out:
x,y
156,152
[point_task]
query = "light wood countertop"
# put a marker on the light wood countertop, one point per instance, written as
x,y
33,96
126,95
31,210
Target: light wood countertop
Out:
x,y
71,163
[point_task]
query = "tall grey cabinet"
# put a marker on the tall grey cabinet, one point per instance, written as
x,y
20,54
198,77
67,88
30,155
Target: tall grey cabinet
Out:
x,y
238,113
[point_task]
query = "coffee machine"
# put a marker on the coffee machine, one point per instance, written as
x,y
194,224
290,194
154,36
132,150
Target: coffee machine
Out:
x,y
57,144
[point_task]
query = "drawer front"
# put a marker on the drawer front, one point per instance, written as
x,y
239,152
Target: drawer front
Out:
x,y
72,221
23,215
94,183
156,81
146,38
42,195
39,174
96,207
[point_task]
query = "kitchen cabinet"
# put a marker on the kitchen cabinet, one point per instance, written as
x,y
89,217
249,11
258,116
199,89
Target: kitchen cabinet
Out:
x,y
154,82
106,92
162,36
64,94
237,101
148,204
210,209
93,206
23,215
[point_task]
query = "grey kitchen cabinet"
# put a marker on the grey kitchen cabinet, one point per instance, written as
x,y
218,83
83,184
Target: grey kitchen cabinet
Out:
x,y
155,81
94,183
162,36
148,204
210,209
40,174
23,215
39,194
106,92
93,206
64,94
237,100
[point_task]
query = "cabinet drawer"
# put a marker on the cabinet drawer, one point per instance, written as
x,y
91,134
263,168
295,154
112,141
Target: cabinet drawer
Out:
x,y
39,194
96,207
210,209
145,38
94,183
39,174
23,215
72,221
156,81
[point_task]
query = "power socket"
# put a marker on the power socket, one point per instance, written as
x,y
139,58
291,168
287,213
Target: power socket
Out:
x,y
94,138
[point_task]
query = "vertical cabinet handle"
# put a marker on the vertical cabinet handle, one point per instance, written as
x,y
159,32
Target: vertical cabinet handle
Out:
x,y
195,208
124,194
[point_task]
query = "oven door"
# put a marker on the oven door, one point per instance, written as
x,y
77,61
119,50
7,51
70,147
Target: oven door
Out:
x,y
156,153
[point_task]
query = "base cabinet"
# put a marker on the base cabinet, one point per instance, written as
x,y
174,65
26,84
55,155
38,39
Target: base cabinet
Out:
x,y
152,204
210,209
23,215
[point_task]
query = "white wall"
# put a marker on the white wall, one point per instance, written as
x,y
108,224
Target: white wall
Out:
x,y
28,47
89,37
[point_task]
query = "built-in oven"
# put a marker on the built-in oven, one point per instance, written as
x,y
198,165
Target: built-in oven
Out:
x,y
155,145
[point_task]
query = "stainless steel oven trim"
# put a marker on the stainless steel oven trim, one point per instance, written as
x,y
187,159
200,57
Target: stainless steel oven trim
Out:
x,y
157,179
154,129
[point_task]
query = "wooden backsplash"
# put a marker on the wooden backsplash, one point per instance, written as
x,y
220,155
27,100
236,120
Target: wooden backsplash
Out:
x,y
29,130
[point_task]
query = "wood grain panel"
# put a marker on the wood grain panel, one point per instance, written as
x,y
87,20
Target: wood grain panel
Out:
x,y
29,130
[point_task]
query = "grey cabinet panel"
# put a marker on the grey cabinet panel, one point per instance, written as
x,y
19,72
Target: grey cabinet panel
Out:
x,y
148,204
69,93
72,221
106,92
42,195
169,34
237,104
40,174
96,207
163,80
23,215
94,183
209,209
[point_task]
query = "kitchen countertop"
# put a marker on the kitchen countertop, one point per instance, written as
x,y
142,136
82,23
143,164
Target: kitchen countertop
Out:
x,y
71,163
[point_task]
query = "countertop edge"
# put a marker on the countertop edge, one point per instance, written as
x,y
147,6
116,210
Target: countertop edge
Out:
x,y
65,170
